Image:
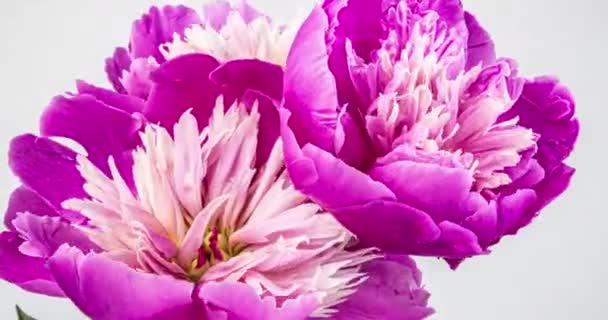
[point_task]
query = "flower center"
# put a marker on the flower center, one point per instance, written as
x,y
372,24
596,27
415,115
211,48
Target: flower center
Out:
x,y
418,101
216,248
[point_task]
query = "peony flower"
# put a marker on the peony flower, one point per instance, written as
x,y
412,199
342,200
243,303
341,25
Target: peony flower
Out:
x,y
179,205
399,119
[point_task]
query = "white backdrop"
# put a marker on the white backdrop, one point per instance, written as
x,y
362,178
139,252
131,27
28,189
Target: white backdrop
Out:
x,y
554,269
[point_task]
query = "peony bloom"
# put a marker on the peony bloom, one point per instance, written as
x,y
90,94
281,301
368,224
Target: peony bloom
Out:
x,y
399,119
179,206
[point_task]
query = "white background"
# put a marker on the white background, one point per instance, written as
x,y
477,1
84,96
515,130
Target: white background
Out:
x,y
554,269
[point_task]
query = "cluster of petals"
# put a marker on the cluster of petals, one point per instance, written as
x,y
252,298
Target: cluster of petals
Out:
x,y
242,169
172,199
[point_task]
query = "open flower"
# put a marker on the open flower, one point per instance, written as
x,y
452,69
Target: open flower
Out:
x,y
202,231
180,206
399,119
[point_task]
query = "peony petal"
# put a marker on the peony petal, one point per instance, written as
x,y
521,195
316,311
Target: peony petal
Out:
x,y
252,81
116,66
102,130
127,103
484,223
361,22
44,235
545,192
338,64
355,147
157,27
106,289
268,127
216,13
388,225
326,180
554,184
438,190
137,80
46,167
525,175
392,292
237,76
27,272
512,210
247,12
181,84
240,302
450,11
455,242
310,89
24,199
480,47
547,107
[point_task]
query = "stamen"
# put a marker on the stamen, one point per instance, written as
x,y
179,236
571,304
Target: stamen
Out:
x,y
213,245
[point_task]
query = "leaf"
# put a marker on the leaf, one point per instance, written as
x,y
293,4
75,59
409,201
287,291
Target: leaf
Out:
x,y
22,315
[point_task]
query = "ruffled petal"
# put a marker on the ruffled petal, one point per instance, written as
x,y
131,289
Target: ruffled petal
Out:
x,y
157,27
46,167
181,84
24,199
27,272
393,291
450,11
247,12
137,81
102,130
268,127
44,235
480,47
554,184
106,289
116,65
388,225
544,192
338,64
239,301
484,223
310,89
127,103
548,108
216,13
352,144
526,174
513,208
437,190
360,21
237,76
325,179
454,242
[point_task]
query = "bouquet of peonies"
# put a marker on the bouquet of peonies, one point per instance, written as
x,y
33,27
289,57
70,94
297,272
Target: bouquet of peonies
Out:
x,y
241,169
